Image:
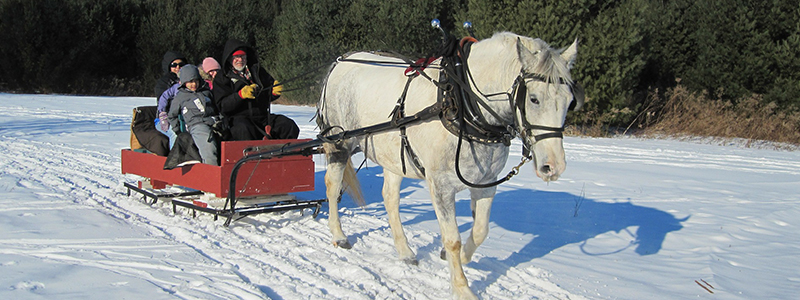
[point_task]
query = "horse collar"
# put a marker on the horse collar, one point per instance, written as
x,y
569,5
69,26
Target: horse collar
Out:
x,y
463,118
462,114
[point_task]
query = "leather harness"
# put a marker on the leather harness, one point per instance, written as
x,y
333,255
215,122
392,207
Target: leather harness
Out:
x,y
460,109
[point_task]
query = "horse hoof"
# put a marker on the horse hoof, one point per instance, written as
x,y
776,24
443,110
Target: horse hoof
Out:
x,y
344,244
443,254
411,261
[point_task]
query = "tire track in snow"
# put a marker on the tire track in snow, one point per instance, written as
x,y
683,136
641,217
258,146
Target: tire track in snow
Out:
x,y
86,178
686,159
83,174
277,255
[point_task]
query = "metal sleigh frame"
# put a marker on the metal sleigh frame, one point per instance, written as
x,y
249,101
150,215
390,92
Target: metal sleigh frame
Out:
x,y
267,189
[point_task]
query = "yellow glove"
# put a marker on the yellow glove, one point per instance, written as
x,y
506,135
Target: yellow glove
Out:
x,y
248,91
277,88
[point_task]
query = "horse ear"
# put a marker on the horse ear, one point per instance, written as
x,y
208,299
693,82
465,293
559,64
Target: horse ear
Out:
x,y
526,57
570,54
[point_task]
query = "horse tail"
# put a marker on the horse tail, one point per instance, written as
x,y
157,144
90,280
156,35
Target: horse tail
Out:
x,y
350,183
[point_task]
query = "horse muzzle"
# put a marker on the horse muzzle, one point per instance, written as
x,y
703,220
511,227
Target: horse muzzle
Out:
x,y
549,159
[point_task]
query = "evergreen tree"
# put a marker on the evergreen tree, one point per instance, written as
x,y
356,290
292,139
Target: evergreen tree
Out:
x,y
66,46
200,28
627,48
611,61
311,34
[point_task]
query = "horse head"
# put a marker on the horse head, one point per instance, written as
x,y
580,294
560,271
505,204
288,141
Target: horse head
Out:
x,y
542,94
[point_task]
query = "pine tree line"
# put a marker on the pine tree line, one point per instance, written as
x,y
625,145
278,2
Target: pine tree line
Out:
x,y
629,49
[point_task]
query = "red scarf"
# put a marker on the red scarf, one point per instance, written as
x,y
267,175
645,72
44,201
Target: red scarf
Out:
x,y
244,73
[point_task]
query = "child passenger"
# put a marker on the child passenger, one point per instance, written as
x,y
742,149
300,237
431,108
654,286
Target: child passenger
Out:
x,y
194,103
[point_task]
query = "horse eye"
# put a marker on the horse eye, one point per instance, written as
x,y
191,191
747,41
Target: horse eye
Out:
x,y
534,99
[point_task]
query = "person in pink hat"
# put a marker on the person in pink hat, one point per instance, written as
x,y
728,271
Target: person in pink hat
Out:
x,y
211,67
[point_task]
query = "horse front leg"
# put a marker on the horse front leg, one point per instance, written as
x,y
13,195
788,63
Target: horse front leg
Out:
x,y
444,205
481,205
391,201
337,162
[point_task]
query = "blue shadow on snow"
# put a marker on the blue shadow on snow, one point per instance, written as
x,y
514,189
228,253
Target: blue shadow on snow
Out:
x,y
554,219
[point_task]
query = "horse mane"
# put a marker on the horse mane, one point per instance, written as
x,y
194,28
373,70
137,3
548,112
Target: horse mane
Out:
x,y
550,64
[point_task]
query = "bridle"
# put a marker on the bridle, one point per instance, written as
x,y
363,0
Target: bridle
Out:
x,y
517,100
519,126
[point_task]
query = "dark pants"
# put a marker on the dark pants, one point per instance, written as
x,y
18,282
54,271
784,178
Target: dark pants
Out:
x,y
245,128
183,151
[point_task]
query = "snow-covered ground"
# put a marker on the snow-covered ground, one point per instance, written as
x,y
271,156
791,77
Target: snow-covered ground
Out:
x,y
630,219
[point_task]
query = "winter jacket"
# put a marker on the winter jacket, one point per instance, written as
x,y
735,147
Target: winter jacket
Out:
x,y
196,107
227,85
169,78
165,99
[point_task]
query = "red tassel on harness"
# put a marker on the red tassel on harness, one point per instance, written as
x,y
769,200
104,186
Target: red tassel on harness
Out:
x,y
419,65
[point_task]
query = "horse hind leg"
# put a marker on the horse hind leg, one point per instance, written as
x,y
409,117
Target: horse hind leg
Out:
x,y
338,162
391,201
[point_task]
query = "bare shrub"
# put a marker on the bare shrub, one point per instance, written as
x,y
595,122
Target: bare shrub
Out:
x,y
681,112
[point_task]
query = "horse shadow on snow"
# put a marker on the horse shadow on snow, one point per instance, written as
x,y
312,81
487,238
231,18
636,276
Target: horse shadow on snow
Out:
x,y
553,219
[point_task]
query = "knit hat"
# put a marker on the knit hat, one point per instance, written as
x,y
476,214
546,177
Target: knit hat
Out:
x,y
210,64
188,73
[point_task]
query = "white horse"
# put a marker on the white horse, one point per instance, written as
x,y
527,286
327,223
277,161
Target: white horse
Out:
x,y
364,88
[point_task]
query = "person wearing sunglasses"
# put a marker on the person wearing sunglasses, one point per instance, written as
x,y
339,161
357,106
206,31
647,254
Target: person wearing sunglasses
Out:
x,y
171,64
165,89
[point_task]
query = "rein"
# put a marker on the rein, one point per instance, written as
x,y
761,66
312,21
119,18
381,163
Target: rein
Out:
x,y
298,77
